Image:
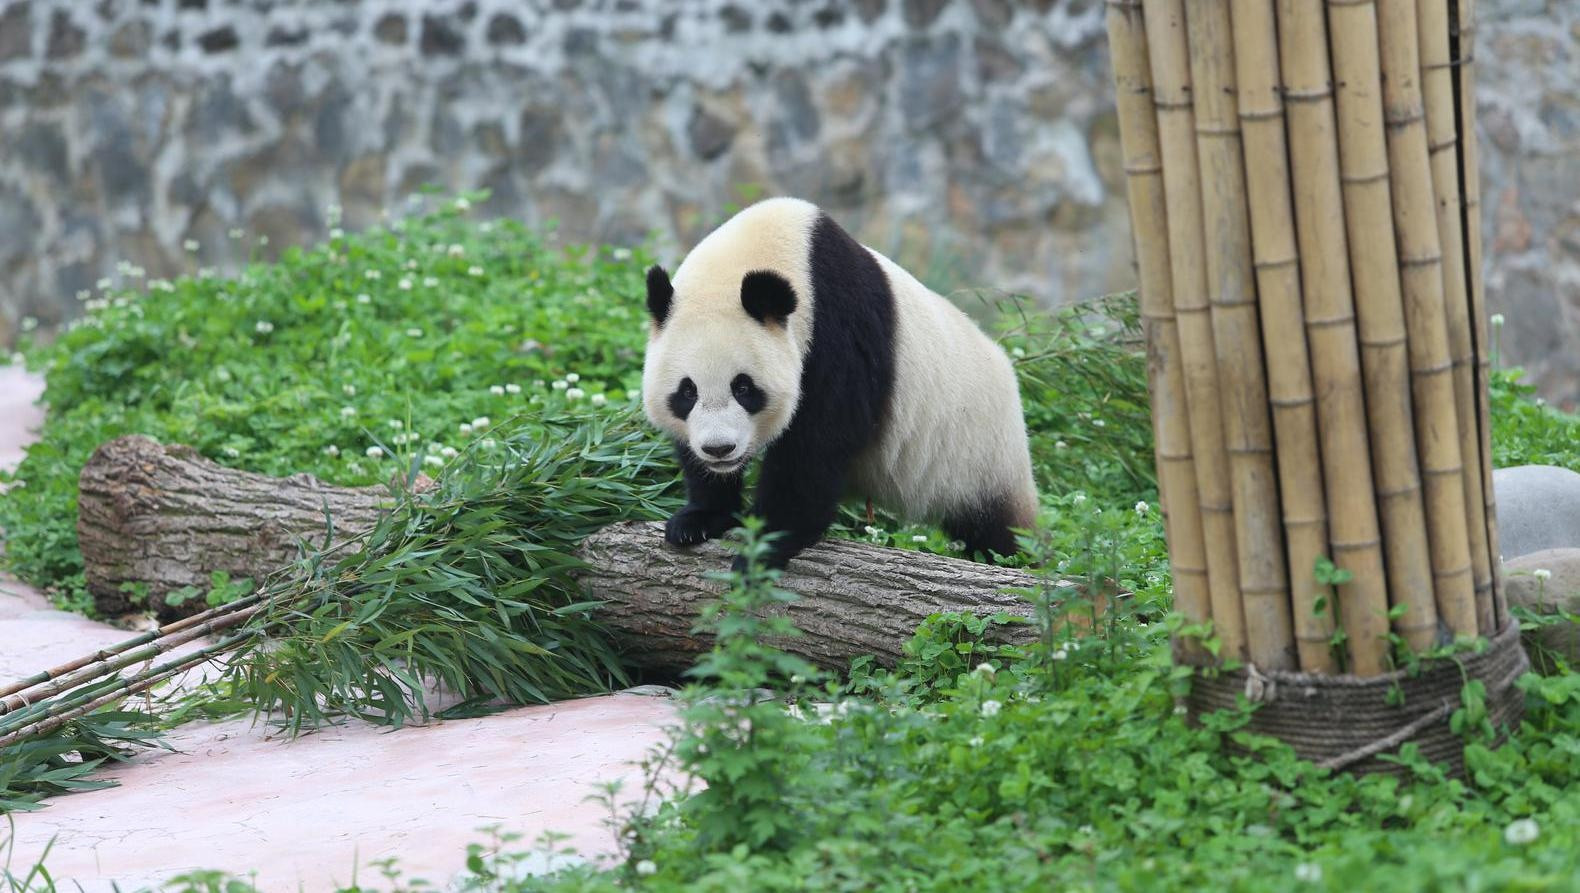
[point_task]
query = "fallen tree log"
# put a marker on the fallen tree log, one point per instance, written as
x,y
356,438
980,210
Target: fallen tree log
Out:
x,y
152,519
158,518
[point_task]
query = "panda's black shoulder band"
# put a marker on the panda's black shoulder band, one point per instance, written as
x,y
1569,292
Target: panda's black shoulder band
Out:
x,y
766,295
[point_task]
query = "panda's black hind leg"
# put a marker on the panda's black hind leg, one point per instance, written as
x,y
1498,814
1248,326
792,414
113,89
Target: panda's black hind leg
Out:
x,y
984,528
713,503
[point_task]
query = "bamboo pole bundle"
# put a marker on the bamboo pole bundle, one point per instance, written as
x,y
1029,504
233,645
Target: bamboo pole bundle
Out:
x,y
1421,270
1462,42
1277,264
1368,214
1171,84
1330,326
1437,91
1247,427
1143,163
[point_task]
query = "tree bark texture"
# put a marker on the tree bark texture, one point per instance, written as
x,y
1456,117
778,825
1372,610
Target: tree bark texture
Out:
x,y
855,598
165,517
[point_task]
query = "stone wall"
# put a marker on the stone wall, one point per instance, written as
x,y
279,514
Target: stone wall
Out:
x,y
972,139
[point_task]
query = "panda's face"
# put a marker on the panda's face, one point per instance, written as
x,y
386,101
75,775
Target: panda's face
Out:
x,y
722,382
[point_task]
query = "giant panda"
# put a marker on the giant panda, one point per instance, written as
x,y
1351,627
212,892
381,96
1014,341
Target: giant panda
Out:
x,y
781,336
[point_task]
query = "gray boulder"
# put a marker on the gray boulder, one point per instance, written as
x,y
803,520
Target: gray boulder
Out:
x,y
1547,582
1538,508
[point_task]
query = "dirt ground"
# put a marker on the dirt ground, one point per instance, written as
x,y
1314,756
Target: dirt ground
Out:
x,y
312,813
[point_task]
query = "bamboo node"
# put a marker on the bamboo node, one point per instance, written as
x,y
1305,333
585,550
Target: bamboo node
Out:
x,y
1318,322
1315,94
1363,179
1277,262
1420,260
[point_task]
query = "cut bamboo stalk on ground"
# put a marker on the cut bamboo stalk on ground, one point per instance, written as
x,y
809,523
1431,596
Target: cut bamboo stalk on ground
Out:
x,y
1421,277
1437,94
1330,321
1169,62
1462,44
1379,308
1237,337
1143,164
1278,289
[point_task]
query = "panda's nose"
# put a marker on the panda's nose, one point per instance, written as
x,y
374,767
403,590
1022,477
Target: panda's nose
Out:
x,y
718,450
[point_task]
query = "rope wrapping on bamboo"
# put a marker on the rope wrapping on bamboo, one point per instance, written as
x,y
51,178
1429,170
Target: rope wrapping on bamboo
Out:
x,y
1351,722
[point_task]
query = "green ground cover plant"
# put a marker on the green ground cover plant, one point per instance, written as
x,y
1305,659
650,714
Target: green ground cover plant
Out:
x,y
1066,763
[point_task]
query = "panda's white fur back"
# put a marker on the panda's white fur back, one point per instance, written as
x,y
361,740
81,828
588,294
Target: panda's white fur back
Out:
x,y
953,438
955,430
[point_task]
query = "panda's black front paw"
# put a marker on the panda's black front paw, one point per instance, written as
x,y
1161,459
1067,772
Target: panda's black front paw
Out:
x,y
774,560
689,527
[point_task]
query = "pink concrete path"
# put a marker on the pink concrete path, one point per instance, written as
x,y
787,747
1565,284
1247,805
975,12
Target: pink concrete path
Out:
x,y
307,814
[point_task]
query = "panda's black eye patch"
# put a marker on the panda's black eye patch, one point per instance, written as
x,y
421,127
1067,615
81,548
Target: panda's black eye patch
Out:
x,y
683,399
748,394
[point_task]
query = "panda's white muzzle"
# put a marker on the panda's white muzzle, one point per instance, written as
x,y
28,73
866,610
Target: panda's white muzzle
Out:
x,y
721,437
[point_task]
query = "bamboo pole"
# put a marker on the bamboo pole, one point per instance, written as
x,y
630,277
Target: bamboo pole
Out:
x,y
1368,214
1143,162
1463,30
1277,263
1421,271
1437,93
1171,82
1247,427
1330,327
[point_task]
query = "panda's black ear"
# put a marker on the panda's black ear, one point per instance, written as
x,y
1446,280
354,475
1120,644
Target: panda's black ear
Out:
x,y
767,296
659,293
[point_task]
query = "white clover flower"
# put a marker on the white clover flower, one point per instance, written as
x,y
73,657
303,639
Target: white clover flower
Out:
x,y
480,422
404,284
1309,873
474,270
1079,498
207,273
29,323
985,669
976,741
1018,353
466,428
348,411
263,240
1542,573
414,332
455,250
84,294
497,390
575,394
1061,654
331,451
486,226
872,531
991,708
333,213
512,389
364,298
486,443
429,282
449,452
461,204
646,867
1496,319
1098,423
397,424
432,460
1060,445
918,538
232,453
264,327
235,232
572,377
191,246
622,254
373,274
599,399
103,284
374,452
336,233
1142,508
1521,832
350,390
1180,710
561,384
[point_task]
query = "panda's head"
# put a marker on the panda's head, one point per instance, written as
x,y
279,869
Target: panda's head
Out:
x,y
722,372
